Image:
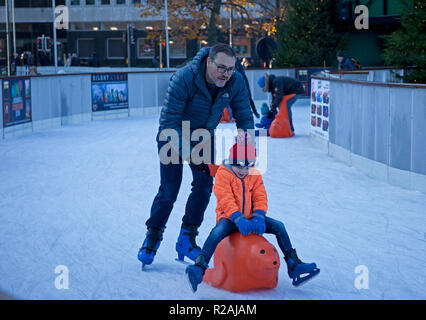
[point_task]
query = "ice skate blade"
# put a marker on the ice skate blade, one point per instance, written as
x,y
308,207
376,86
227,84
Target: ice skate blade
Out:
x,y
306,279
183,262
188,281
145,267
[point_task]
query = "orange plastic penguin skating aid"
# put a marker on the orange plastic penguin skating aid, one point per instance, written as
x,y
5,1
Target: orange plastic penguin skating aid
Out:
x,y
280,127
243,263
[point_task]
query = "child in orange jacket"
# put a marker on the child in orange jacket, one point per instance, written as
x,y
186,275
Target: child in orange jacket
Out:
x,y
241,206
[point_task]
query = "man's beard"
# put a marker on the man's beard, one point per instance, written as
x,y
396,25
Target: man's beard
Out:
x,y
217,82
221,82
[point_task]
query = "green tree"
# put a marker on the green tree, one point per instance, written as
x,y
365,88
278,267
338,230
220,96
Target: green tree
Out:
x,y
405,48
306,35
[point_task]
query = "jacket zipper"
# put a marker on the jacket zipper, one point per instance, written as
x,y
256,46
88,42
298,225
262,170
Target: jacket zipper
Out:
x,y
244,194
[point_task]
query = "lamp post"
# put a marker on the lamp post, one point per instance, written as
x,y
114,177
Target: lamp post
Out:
x,y
13,26
128,44
230,28
167,34
55,53
7,36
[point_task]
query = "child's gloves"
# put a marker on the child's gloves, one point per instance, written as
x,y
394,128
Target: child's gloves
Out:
x,y
244,225
258,221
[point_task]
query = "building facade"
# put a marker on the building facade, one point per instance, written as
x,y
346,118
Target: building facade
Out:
x,y
366,45
114,31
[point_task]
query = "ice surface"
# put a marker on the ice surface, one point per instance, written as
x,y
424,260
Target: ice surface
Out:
x,y
78,196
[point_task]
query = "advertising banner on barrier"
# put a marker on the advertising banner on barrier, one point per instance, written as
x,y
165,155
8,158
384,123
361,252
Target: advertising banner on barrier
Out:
x,y
320,107
16,101
110,91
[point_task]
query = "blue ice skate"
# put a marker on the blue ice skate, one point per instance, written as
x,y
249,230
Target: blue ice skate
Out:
x,y
150,246
195,273
185,245
195,276
299,271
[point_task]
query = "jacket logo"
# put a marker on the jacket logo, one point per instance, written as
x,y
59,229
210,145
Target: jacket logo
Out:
x,y
225,95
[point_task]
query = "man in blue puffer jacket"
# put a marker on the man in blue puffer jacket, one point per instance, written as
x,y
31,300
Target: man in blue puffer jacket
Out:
x,y
195,99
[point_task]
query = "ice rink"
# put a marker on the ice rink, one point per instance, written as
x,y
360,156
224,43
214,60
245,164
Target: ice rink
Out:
x,y
74,201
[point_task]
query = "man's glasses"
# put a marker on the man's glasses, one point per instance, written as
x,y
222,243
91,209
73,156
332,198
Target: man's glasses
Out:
x,y
223,69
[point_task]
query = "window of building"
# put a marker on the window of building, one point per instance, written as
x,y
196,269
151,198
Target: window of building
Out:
x,y
241,46
177,49
3,48
114,25
146,48
35,3
121,1
75,2
90,2
105,1
85,48
115,48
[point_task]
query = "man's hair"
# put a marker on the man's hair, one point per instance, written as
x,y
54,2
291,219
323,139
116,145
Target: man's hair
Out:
x,y
221,47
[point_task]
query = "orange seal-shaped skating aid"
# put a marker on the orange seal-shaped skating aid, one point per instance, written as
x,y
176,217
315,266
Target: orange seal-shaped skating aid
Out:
x,y
280,127
243,263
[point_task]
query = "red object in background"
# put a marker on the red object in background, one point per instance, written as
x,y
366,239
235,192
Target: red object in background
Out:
x,y
243,263
226,117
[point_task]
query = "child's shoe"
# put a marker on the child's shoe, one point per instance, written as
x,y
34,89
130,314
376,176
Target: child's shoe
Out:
x,y
299,271
196,272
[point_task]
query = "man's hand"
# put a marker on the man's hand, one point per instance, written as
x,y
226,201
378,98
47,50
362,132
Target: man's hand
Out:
x,y
202,167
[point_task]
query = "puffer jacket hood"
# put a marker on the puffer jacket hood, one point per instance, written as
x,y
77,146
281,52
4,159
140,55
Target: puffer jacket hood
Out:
x,y
271,79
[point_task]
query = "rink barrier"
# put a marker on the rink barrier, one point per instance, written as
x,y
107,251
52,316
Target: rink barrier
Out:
x,y
380,129
65,98
62,99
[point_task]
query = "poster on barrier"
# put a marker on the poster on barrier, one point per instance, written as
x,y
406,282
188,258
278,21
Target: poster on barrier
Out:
x,y
320,107
110,91
16,101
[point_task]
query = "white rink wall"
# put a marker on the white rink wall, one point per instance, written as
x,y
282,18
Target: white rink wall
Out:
x,y
380,129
